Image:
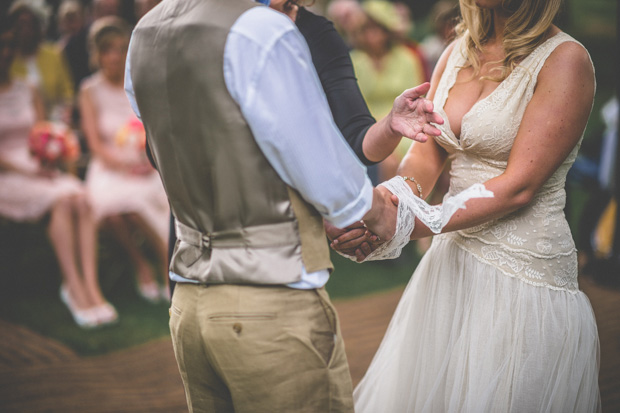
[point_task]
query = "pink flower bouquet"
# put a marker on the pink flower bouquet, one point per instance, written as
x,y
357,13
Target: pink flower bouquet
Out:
x,y
53,144
132,134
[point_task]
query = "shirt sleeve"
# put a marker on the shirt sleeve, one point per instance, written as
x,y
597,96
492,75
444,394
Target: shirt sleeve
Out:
x,y
129,85
332,61
270,75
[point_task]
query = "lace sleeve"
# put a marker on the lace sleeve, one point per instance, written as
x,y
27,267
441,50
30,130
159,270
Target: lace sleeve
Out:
x,y
435,217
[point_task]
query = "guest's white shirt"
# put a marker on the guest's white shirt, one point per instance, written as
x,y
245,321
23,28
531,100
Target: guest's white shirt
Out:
x,y
268,71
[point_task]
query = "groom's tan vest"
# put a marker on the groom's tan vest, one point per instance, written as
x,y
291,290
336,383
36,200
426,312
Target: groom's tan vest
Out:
x,y
237,221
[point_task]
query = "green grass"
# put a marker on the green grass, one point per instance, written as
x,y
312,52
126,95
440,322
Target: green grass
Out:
x,y
139,322
30,294
31,280
351,279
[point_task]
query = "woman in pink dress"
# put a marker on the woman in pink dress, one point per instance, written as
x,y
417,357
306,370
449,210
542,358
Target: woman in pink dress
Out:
x,y
126,191
28,192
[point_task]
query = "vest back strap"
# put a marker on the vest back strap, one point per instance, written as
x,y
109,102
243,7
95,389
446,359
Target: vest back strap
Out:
x,y
259,236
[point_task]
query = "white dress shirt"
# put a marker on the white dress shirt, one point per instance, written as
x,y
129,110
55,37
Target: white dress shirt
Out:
x,y
268,71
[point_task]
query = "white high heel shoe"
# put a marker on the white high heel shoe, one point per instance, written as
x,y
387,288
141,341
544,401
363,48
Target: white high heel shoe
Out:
x,y
106,314
150,292
83,318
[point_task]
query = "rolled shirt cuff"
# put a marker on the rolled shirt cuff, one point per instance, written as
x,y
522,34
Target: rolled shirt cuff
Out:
x,y
355,210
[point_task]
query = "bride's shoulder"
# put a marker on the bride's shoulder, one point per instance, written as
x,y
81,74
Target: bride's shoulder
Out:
x,y
566,84
569,61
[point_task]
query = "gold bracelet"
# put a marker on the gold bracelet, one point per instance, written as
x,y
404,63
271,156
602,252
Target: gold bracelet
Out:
x,y
412,179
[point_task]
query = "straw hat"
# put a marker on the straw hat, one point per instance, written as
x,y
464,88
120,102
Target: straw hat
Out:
x,y
386,14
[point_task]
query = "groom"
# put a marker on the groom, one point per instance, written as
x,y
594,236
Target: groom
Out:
x,y
251,160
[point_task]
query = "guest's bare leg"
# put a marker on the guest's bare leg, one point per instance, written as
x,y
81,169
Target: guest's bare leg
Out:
x,y
62,236
87,249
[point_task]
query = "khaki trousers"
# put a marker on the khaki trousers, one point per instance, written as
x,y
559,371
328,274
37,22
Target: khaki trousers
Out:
x,y
259,349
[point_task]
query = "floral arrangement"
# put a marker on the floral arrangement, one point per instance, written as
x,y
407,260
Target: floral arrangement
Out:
x,y
132,134
53,144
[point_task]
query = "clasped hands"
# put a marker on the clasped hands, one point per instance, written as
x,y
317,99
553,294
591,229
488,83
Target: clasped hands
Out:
x,y
377,226
412,116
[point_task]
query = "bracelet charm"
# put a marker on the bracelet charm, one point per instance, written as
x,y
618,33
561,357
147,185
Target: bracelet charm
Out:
x,y
412,179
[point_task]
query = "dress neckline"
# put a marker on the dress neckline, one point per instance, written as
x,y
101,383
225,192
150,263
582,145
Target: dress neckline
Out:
x,y
452,81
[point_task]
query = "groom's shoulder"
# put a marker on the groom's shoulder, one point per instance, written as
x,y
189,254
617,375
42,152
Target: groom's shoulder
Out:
x,y
263,25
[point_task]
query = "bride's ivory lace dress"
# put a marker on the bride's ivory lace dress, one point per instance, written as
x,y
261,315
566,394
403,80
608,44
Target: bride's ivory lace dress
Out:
x,y
492,319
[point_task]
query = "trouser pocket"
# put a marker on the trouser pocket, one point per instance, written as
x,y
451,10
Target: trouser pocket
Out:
x,y
324,334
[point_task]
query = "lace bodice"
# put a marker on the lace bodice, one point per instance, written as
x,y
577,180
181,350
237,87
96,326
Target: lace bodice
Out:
x,y
533,243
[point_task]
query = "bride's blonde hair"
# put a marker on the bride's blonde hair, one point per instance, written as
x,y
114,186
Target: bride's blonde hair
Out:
x,y
526,27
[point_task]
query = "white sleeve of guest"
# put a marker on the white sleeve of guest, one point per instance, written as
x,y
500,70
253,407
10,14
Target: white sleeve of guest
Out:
x,y
269,72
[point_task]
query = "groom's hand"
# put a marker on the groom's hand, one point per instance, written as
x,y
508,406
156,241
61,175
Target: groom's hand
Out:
x,y
379,226
350,239
412,115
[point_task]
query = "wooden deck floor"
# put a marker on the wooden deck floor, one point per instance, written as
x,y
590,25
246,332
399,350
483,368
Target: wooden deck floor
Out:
x,y
40,375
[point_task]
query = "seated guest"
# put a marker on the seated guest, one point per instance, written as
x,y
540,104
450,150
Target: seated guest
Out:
x,y
126,191
385,66
40,64
29,192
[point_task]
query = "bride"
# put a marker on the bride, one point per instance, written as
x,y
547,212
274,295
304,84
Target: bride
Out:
x,y
493,319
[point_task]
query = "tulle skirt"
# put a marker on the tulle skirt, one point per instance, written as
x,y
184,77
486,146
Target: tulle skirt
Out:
x,y
468,338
